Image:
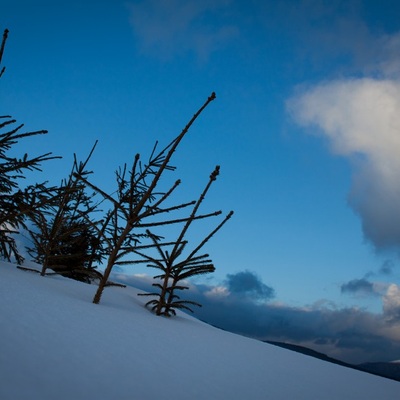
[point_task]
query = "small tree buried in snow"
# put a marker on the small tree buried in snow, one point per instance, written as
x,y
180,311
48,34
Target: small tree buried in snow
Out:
x,y
63,235
137,205
176,268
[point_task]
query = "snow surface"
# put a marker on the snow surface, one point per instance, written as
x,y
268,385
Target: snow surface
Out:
x,y
56,344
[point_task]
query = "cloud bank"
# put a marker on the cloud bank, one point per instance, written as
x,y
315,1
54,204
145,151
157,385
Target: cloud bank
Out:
x,y
360,118
350,334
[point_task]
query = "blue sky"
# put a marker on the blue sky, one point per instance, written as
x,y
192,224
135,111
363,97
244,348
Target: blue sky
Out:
x,y
305,127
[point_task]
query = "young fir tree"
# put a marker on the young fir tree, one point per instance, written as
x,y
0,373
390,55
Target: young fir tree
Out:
x,y
176,268
64,236
17,203
138,204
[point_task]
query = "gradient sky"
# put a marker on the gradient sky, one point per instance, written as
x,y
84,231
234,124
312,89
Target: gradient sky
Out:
x,y
305,127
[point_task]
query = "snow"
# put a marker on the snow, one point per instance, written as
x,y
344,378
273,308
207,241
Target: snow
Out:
x,y
57,344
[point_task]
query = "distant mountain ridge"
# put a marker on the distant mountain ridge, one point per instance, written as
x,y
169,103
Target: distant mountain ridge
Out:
x,y
390,370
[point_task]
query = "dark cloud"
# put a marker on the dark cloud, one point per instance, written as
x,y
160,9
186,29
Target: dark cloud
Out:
x,y
358,286
387,267
351,335
248,284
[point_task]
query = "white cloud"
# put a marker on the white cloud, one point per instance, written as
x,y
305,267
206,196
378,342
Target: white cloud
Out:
x,y
380,288
391,303
358,116
361,119
217,291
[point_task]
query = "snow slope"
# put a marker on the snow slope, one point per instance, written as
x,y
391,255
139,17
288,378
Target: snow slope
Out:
x,y
56,344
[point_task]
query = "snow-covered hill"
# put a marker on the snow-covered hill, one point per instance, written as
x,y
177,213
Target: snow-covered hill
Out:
x,y
56,344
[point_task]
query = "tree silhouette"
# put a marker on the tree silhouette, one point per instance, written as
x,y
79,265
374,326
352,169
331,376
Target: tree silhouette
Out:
x,y
63,234
16,202
137,204
175,267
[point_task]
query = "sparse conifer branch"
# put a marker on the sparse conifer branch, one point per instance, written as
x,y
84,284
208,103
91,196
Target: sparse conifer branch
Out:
x,y
5,123
156,161
3,44
19,136
132,262
186,269
189,262
192,217
174,144
180,220
207,238
182,305
155,207
204,269
159,246
132,186
29,200
97,189
144,257
173,208
18,165
99,228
